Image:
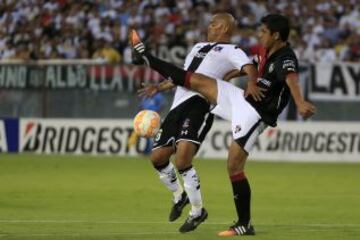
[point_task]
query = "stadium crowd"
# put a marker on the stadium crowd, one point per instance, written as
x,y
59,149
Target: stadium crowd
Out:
x,y
324,30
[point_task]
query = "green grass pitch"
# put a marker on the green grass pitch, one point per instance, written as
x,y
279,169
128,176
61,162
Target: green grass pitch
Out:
x,y
70,197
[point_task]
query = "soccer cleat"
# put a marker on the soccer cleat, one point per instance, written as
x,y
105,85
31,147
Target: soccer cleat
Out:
x,y
138,49
134,36
192,222
238,229
177,208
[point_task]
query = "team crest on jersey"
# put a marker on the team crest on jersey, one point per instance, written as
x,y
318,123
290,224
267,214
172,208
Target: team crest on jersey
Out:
x,y
237,129
271,67
186,123
218,48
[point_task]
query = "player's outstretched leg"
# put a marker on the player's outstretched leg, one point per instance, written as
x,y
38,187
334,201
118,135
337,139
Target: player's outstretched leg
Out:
x,y
204,85
138,52
168,70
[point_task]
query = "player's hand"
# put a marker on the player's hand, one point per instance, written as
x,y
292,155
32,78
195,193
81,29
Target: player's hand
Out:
x,y
148,90
255,91
306,109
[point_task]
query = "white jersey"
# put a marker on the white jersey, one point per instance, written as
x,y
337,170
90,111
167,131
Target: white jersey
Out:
x,y
220,60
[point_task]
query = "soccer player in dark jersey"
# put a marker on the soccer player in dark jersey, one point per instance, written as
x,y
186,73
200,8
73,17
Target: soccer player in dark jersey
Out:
x,y
278,68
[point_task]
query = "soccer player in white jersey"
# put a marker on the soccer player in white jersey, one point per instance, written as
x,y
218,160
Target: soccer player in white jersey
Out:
x,y
278,68
189,119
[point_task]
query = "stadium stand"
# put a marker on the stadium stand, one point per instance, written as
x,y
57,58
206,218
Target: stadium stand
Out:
x,y
53,29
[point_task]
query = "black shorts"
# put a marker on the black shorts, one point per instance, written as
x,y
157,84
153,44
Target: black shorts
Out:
x,y
189,121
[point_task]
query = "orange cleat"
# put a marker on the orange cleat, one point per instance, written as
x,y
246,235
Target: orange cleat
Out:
x,y
227,233
134,37
238,229
138,49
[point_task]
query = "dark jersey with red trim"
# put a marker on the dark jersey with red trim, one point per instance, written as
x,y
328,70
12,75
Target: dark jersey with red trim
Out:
x,y
273,72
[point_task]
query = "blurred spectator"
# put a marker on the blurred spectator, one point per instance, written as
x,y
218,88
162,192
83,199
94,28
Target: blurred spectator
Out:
x,y
106,52
155,103
325,52
22,51
72,29
8,50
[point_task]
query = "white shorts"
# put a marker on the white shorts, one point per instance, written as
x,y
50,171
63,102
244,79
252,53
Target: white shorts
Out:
x,y
246,124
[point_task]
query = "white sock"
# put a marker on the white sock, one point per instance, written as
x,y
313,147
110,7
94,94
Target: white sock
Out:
x,y
168,177
192,188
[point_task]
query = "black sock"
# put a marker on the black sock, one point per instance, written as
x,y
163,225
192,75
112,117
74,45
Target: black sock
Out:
x,y
242,197
168,70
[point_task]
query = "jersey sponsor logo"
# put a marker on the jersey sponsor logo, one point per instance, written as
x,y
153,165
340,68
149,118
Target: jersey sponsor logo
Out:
x,y
264,81
289,65
200,54
218,48
291,70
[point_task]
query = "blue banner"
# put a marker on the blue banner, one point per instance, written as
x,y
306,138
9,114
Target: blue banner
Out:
x,y
9,135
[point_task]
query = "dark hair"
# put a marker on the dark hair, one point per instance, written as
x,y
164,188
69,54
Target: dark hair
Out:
x,y
277,23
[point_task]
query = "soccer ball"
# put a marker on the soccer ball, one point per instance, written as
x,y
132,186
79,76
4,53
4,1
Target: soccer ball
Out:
x,y
146,123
